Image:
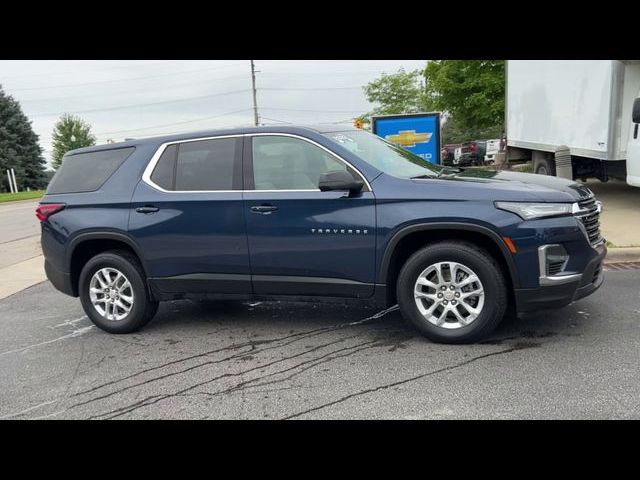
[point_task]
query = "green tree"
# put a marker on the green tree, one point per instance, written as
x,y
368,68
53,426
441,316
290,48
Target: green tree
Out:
x,y
471,91
69,133
19,148
401,92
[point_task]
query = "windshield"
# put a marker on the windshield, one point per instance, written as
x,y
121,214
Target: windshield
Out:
x,y
385,156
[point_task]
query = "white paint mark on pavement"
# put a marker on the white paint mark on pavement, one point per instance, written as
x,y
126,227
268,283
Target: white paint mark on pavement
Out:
x,y
75,333
27,410
70,323
375,316
50,415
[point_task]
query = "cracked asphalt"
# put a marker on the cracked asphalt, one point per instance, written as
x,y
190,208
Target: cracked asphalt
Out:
x,y
231,360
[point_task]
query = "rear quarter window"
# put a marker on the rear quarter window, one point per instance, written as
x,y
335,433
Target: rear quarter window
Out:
x,y
86,172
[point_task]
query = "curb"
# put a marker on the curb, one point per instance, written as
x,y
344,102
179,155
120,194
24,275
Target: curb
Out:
x,y
623,254
18,202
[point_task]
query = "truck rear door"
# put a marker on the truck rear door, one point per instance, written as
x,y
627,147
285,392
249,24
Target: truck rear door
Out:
x,y
633,147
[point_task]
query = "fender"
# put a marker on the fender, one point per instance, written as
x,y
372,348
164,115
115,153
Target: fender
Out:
x,y
102,235
451,226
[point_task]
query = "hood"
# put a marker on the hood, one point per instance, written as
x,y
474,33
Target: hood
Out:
x,y
545,187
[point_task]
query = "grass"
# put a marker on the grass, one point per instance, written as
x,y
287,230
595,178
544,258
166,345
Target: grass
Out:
x,y
12,197
611,244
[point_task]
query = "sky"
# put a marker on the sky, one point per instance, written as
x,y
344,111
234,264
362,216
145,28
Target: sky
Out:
x,y
140,98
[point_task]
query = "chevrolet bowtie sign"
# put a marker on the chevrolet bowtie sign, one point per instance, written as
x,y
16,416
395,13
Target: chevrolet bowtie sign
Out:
x,y
409,138
417,132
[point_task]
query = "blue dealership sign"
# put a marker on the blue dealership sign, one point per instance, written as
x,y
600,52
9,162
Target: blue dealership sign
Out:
x,y
417,132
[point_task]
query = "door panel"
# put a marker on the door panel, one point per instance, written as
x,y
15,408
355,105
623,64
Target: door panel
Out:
x,y
303,241
196,240
190,233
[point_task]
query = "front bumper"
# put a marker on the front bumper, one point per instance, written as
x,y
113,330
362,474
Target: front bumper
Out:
x,y
556,296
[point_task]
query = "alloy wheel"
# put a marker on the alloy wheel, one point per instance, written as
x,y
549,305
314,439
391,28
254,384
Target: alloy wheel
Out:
x,y
449,295
111,294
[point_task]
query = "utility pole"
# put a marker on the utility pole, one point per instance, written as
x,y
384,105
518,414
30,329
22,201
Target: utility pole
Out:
x,y
10,181
253,85
15,185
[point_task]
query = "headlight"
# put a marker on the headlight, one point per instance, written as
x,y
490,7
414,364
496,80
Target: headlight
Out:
x,y
529,211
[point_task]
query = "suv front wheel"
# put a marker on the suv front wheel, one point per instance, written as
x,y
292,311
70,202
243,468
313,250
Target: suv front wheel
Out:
x,y
452,292
114,293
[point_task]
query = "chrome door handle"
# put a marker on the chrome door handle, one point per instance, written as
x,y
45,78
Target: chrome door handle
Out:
x,y
264,209
147,209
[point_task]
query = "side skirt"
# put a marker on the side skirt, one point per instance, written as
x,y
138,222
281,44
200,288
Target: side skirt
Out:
x,y
291,289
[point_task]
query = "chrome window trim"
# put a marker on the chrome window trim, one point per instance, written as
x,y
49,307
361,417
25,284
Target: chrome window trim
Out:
x,y
146,175
291,190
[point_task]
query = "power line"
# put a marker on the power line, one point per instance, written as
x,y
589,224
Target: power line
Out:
x,y
170,132
311,88
95,95
106,69
200,82
311,111
116,80
332,72
177,132
338,122
124,107
175,123
274,119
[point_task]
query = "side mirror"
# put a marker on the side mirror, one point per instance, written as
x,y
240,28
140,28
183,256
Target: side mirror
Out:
x,y
636,111
339,180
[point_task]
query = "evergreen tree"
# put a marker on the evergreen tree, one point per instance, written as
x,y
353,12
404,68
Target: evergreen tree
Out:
x,y
19,148
69,133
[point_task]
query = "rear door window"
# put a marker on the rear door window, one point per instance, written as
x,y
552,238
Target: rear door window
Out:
x,y
87,172
204,165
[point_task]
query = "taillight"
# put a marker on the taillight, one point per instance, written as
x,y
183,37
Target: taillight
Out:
x,y
473,148
45,210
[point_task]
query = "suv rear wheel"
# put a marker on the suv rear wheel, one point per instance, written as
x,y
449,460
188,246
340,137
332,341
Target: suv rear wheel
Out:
x,y
452,292
114,293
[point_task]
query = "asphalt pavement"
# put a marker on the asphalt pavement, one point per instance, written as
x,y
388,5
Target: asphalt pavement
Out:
x,y
311,361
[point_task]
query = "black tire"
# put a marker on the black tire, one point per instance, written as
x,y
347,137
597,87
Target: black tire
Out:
x,y
484,266
545,166
143,308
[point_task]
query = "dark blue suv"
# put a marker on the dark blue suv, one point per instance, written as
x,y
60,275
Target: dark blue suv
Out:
x,y
308,213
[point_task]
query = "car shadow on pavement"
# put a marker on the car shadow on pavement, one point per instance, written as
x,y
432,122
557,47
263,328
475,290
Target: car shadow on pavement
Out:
x,y
258,319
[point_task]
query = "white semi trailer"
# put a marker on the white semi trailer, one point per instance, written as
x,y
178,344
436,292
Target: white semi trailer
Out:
x,y
575,118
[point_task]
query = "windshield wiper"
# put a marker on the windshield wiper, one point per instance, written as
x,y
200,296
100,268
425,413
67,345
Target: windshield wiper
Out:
x,y
451,171
424,176
444,171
